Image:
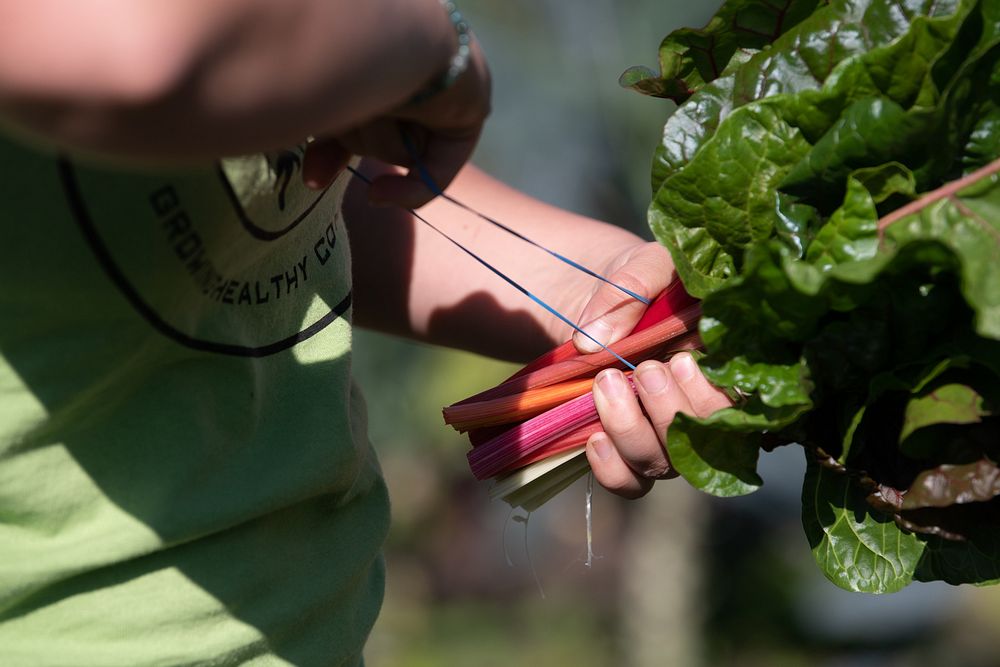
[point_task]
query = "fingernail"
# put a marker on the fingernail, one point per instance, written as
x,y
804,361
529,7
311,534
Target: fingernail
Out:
x,y
602,446
599,330
611,384
683,367
652,378
313,184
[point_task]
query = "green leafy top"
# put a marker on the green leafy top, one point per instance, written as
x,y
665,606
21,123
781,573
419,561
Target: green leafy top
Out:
x,y
690,58
820,195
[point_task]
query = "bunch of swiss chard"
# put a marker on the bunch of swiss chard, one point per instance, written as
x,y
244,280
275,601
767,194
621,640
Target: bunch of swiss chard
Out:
x,y
528,433
828,188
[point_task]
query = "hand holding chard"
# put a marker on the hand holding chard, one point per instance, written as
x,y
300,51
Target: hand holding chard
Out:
x,y
547,408
847,269
847,272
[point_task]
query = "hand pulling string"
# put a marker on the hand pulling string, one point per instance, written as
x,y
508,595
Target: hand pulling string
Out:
x,y
506,278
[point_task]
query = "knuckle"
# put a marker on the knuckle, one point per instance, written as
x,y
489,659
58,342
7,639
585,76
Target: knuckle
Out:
x,y
645,456
651,464
657,470
628,279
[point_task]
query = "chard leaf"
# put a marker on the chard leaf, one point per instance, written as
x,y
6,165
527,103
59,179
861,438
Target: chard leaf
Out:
x,y
820,65
973,558
718,454
954,485
871,131
727,151
795,223
850,234
687,129
859,316
765,313
949,414
719,462
690,58
887,180
847,442
984,141
723,199
838,321
982,145
750,79
780,300
777,385
965,221
945,404
973,561
853,39
856,547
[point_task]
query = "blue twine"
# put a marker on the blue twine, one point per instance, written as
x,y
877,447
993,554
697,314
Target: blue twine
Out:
x,y
432,185
510,281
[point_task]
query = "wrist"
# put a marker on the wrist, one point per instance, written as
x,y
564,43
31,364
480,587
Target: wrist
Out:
x,y
461,53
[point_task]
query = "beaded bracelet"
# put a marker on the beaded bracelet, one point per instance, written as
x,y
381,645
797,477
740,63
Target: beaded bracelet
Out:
x,y
459,62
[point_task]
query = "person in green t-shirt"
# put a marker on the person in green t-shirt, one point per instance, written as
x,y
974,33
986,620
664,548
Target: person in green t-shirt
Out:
x,y
185,475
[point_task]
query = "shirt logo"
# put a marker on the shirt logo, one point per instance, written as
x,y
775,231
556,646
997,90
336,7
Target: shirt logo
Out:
x,y
241,259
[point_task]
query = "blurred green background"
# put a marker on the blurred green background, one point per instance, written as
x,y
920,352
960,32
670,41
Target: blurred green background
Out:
x,y
680,579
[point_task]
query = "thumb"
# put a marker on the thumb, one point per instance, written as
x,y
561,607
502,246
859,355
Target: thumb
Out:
x,y
610,315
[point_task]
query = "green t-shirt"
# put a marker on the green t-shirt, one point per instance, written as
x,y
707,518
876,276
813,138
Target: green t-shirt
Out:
x,y
185,477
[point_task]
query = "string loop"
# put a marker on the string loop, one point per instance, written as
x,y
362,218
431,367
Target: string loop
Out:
x,y
510,281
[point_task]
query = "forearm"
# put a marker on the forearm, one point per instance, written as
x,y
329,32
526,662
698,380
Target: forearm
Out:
x,y
412,282
192,79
